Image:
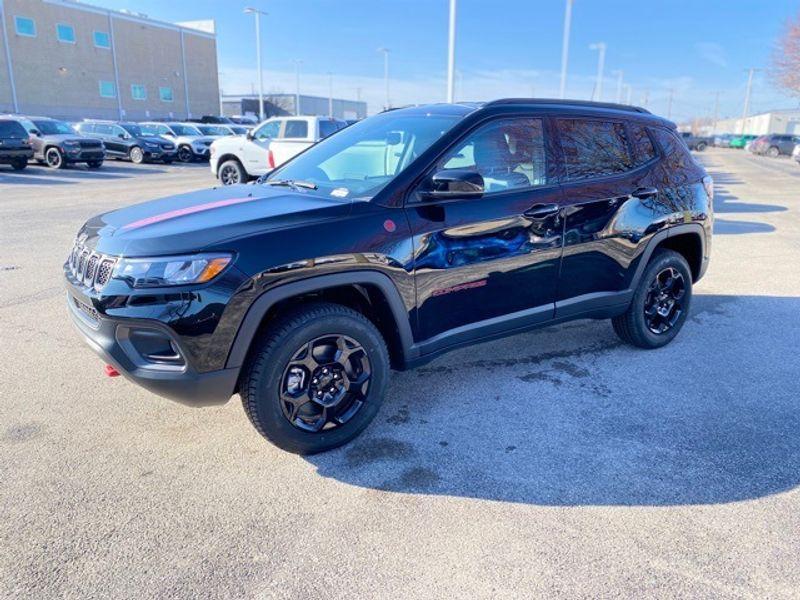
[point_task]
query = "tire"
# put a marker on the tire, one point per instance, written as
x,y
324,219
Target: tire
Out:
x,y
94,164
19,165
269,373
231,172
701,147
55,158
185,154
633,326
136,155
773,152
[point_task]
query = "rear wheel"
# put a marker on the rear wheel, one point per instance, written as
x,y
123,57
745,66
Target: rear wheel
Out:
x,y
136,155
232,172
185,154
701,146
773,152
660,304
316,379
54,158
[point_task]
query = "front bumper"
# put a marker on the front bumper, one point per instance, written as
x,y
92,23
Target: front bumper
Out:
x,y
110,338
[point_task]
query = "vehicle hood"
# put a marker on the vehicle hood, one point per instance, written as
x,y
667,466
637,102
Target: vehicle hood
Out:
x,y
190,139
58,138
153,139
199,220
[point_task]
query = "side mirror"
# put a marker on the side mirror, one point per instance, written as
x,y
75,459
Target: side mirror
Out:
x,y
249,135
122,136
36,132
453,183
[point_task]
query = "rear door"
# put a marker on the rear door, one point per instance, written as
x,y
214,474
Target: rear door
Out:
x,y
603,188
488,264
105,131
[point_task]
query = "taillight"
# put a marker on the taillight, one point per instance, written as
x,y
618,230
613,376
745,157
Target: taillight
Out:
x,y
270,159
708,183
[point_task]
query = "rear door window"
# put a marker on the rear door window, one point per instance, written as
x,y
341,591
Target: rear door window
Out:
x,y
12,129
296,129
593,148
643,150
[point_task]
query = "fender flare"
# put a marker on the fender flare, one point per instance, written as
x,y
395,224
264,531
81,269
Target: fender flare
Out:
x,y
694,228
258,309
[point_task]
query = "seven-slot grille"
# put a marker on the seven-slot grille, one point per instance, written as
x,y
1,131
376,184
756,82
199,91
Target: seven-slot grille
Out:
x,y
92,269
90,144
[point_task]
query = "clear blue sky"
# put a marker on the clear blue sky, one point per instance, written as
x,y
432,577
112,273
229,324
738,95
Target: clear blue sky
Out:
x,y
504,47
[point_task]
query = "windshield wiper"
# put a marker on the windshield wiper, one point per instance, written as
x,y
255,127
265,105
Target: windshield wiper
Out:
x,y
293,183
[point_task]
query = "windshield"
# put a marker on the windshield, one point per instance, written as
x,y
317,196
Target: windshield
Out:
x,y
213,130
184,130
54,128
360,160
134,130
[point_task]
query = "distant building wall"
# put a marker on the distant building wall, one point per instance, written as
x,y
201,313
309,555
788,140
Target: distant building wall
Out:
x,y
284,104
784,121
155,64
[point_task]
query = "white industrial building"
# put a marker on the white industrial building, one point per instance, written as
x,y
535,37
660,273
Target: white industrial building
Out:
x,y
775,121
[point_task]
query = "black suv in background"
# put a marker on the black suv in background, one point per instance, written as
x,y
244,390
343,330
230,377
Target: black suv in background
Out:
x,y
403,236
15,144
56,144
127,140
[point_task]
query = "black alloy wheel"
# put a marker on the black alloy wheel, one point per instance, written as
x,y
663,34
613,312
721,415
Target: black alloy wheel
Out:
x,y
663,306
325,383
231,173
185,154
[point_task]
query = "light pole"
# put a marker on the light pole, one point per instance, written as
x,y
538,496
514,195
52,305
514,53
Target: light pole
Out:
x,y
297,62
747,92
330,94
565,49
628,93
258,13
387,104
619,75
451,55
669,103
601,60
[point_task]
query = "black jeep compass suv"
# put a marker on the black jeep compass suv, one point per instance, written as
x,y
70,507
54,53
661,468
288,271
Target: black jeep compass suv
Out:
x,y
403,236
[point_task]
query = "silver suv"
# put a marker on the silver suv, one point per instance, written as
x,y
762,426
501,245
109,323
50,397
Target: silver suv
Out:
x,y
56,144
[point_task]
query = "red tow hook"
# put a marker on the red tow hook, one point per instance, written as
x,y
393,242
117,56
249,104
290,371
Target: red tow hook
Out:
x,y
111,371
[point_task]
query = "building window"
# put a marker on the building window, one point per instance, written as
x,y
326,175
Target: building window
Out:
x,y
165,93
65,33
25,26
138,92
108,89
102,40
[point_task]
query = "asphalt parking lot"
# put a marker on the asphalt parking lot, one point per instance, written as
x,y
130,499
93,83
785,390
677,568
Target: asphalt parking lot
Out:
x,y
557,463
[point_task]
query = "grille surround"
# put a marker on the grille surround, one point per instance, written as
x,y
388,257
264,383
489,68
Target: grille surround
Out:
x,y
90,269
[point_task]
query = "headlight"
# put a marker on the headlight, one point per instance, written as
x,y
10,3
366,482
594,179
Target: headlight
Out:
x,y
171,270
70,144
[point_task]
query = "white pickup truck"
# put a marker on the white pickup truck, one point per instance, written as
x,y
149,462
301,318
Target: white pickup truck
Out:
x,y
241,158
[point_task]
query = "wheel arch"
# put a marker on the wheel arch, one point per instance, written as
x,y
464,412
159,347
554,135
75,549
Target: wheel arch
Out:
x,y
688,239
225,158
370,292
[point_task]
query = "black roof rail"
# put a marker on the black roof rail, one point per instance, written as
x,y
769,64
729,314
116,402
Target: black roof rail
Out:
x,y
585,103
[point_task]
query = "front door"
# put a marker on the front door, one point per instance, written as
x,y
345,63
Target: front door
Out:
x,y
255,148
489,264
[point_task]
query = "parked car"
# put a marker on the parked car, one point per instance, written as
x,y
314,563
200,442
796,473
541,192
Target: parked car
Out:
x,y
774,145
245,120
695,142
219,131
58,145
191,143
215,120
723,141
129,141
411,233
15,144
276,140
740,141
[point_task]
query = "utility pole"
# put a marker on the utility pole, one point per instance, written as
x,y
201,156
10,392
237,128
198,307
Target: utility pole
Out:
x,y
297,62
646,98
749,89
258,13
619,75
669,104
597,94
451,55
330,94
387,104
629,92
565,49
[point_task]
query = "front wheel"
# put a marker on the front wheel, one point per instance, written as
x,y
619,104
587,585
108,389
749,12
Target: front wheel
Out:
x,y
54,158
185,154
773,152
136,155
660,304
701,147
316,379
232,172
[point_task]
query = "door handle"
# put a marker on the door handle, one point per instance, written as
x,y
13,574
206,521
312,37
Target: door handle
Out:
x,y
540,211
644,192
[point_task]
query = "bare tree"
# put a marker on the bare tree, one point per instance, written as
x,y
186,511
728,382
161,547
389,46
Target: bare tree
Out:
x,y
785,68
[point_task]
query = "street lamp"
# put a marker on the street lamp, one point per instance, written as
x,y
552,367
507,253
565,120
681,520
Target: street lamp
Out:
x,y
619,75
258,13
451,54
385,51
330,94
565,49
597,94
297,62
